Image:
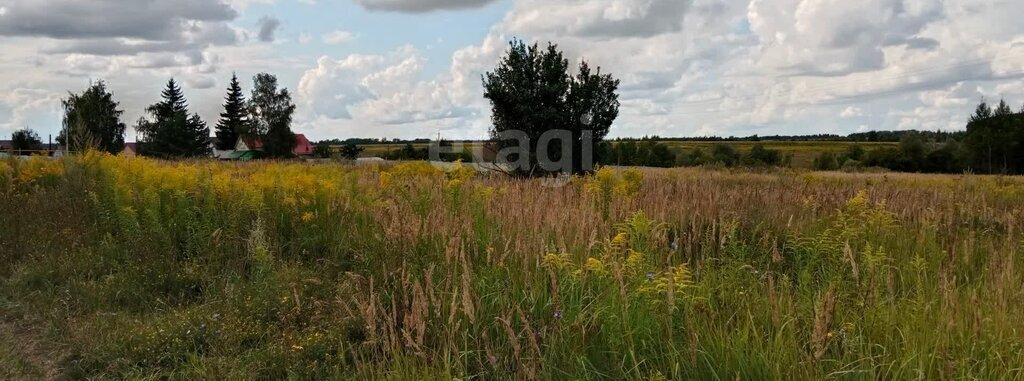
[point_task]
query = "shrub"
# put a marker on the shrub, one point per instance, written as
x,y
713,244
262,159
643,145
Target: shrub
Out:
x,y
826,161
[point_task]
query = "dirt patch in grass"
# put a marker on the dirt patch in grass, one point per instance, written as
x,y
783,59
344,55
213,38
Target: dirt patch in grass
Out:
x,y
24,355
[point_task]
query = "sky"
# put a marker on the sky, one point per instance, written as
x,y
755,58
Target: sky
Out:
x,y
412,68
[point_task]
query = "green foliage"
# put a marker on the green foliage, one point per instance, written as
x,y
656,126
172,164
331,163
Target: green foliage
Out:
x,y
826,161
995,139
853,152
648,153
759,156
724,154
694,158
351,151
207,270
532,92
92,120
25,141
173,133
232,122
270,116
409,152
323,151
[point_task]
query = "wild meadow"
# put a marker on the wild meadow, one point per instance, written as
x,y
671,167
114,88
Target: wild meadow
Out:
x,y
141,269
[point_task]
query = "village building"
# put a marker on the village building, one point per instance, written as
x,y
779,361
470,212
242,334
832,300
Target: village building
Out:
x,y
130,150
251,147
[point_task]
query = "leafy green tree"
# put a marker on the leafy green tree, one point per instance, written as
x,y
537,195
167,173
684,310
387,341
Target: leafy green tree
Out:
x,y
853,152
725,154
759,156
694,158
232,122
351,151
660,155
944,160
531,91
270,116
826,161
173,133
92,120
409,152
628,153
25,141
322,151
883,157
912,151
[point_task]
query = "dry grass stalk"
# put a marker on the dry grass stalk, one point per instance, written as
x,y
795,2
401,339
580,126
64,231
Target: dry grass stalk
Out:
x,y
823,314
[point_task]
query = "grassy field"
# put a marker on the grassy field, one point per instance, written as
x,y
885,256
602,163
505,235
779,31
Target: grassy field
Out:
x,y
137,269
803,152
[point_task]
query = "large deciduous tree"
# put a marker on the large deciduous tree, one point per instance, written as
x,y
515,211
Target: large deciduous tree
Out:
x,y
532,93
25,141
232,122
173,133
270,116
92,120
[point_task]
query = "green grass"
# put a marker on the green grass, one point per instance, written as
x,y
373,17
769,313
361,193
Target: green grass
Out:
x,y
141,269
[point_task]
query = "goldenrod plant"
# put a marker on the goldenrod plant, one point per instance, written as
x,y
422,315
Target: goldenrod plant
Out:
x,y
130,268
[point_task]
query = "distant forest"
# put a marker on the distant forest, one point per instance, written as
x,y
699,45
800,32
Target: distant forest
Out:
x,y
993,143
871,136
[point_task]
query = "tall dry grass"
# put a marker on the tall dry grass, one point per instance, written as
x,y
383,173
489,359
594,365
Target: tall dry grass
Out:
x,y
146,269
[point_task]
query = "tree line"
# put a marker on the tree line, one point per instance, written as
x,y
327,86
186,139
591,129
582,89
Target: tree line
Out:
x,y
993,143
92,120
655,153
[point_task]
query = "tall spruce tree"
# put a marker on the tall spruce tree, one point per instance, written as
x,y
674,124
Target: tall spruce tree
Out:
x,y
994,139
173,133
232,122
270,116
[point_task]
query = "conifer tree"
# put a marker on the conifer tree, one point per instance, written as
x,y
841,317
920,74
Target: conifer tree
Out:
x,y
173,133
232,122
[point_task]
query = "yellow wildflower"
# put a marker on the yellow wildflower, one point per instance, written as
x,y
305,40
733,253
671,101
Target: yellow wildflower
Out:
x,y
290,201
619,242
596,267
634,262
556,261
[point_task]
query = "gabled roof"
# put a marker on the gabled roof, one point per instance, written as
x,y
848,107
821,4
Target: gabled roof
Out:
x,y
302,145
252,142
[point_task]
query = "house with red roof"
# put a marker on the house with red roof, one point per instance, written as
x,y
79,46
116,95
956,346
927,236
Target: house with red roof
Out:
x,y
130,150
303,147
250,147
